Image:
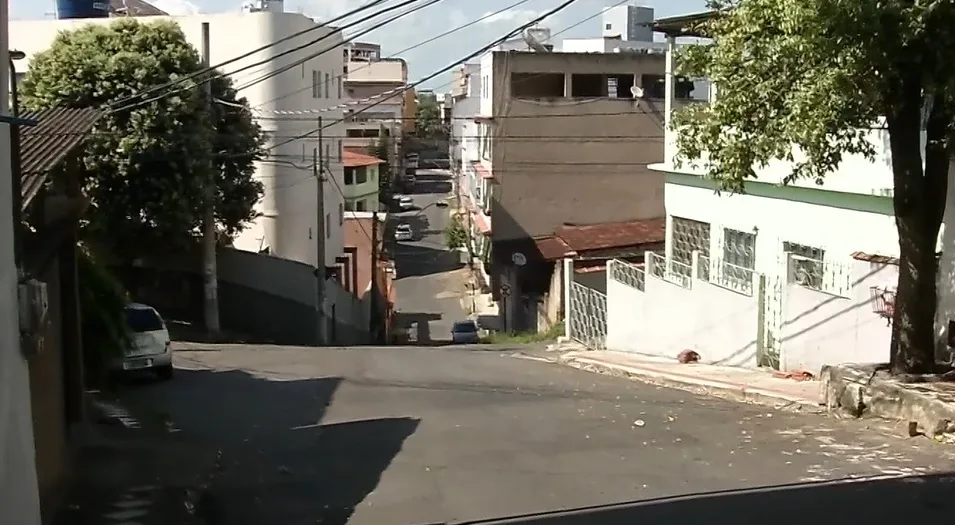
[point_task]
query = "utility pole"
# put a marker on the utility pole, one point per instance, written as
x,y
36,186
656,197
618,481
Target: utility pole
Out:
x,y
318,170
373,316
210,272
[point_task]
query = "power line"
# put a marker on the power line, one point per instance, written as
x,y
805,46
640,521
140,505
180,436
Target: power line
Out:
x,y
577,102
445,69
330,34
351,38
204,71
416,46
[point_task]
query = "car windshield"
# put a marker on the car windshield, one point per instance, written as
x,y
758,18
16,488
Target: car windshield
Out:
x,y
143,320
404,227
467,327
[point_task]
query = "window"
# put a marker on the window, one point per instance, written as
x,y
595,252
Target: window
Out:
x,y
141,320
807,264
328,154
340,85
341,214
739,260
316,84
349,206
328,84
689,236
349,176
361,175
339,150
360,205
328,225
608,27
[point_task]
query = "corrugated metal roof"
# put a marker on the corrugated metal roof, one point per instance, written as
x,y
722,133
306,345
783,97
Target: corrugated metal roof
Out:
x,y
43,146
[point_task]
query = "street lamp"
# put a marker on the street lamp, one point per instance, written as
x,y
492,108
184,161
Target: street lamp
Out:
x,y
15,156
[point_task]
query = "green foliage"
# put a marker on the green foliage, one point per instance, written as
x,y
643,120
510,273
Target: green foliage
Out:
x,y
455,235
102,302
820,74
147,165
428,117
382,150
551,334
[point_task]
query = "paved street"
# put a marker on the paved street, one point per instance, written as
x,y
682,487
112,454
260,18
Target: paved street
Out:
x,y
429,276
427,435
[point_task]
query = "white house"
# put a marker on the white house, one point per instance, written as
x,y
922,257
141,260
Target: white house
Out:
x,y
19,499
287,225
792,276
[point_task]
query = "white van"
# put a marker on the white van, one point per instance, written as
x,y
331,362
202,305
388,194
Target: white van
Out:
x,y
149,342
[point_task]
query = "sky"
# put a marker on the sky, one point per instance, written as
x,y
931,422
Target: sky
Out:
x,y
423,24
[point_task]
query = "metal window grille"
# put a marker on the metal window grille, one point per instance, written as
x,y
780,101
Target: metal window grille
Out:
x,y
588,316
628,274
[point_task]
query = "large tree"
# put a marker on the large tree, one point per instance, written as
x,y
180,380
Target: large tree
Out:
x,y
428,117
820,74
147,164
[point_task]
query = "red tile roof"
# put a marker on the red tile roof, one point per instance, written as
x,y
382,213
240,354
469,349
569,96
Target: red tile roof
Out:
x,y
613,235
354,159
552,248
481,170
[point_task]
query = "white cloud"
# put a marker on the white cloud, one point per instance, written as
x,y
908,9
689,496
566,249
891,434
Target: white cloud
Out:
x,y
176,7
514,16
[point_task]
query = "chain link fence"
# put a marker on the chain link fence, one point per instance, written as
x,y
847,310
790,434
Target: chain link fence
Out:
x,y
588,316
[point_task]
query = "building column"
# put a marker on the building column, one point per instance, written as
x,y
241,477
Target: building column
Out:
x,y
568,85
19,497
669,83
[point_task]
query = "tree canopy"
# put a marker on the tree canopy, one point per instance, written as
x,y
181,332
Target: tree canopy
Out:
x,y
428,117
820,74
147,162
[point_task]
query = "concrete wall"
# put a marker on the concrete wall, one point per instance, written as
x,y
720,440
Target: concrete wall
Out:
x,y
778,214
820,328
674,314
265,297
285,226
560,159
19,501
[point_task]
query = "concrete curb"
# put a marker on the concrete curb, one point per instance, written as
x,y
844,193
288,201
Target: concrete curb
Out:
x,y
708,387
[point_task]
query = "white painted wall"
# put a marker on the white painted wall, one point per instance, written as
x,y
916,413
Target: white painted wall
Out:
x,y
667,318
839,231
289,206
487,84
19,500
820,329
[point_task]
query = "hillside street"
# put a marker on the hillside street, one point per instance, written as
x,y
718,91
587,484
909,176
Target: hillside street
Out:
x,y
417,435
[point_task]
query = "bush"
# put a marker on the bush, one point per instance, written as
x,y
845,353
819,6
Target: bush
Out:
x,y
455,235
103,316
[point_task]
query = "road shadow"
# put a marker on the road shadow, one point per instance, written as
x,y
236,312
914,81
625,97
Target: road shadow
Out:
x,y
415,260
915,499
280,462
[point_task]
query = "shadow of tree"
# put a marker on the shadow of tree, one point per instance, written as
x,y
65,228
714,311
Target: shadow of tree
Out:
x,y
281,463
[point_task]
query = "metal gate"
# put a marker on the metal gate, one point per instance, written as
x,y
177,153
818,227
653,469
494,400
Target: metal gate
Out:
x,y
771,318
588,316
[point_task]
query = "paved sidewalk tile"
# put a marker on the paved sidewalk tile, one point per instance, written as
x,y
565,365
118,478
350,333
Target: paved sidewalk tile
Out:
x,y
742,384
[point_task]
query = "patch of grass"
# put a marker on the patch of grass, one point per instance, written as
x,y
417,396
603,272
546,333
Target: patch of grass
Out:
x,y
525,337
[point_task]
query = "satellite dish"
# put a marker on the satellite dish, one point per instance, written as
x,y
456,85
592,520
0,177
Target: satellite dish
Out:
x,y
636,91
518,259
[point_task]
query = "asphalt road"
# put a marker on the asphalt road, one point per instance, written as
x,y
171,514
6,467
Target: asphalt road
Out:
x,y
430,278
419,435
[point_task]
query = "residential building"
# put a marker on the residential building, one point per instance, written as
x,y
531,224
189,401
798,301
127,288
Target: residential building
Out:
x,y
790,276
374,95
19,500
563,142
284,228
361,181
465,105
359,269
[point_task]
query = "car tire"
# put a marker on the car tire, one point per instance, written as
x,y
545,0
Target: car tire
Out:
x,y
164,373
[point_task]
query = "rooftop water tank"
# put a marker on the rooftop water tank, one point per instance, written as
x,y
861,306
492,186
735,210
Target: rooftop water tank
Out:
x,y
67,9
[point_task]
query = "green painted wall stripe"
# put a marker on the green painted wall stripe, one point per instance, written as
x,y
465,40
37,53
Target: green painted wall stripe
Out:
x,y
819,197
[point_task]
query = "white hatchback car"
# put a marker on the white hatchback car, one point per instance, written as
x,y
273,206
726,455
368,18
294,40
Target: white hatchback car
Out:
x,y
149,342
403,232
405,203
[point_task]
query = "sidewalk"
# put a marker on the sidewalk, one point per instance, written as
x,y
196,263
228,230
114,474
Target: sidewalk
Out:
x,y
134,472
739,384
